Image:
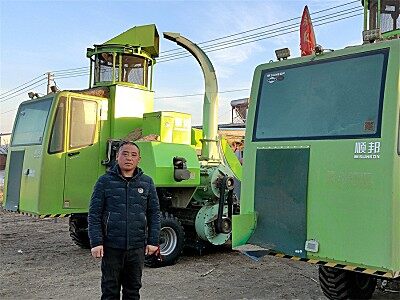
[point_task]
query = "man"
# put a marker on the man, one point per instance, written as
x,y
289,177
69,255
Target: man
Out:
x,y
124,206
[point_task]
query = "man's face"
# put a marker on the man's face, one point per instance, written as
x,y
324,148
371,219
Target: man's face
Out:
x,y
128,157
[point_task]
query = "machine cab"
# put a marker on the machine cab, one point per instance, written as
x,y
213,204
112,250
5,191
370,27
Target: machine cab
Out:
x,y
321,161
55,155
54,138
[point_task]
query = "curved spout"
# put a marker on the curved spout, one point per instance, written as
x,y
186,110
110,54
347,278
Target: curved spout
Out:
x,y
209,150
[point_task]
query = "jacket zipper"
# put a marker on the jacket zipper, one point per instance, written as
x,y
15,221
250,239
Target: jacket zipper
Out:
x,y
126,199
108,218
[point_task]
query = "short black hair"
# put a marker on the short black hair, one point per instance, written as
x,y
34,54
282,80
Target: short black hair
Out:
x,y
122,143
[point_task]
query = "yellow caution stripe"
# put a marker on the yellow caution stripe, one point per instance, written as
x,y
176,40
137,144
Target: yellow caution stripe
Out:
x,y
338,266
54,216
39,216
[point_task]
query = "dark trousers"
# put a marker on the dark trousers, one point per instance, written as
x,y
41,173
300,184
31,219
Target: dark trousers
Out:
x,y
121,267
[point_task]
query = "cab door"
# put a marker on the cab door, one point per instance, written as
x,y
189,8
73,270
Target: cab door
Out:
x,y
82,159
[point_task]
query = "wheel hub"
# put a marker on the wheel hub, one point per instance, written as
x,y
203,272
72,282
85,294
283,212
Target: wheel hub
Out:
x,y
168,240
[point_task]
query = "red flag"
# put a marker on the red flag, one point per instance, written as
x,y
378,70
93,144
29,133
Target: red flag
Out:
x,y
307,36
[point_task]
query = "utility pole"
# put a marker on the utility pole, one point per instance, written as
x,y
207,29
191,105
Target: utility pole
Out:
x,y
50,81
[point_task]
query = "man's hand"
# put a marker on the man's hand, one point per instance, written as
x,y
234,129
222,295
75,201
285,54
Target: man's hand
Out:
x,y
98,251
150,249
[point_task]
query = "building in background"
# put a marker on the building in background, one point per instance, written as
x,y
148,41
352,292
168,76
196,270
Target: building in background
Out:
x,y
3,156
4,141
5,138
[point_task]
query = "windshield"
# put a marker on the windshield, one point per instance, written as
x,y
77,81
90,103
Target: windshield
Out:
x,y
31,122
330,99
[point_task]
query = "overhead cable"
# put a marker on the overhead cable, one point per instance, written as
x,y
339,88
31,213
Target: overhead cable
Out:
x,y
202,94
255,38
2,95
23,90
237,41
265,26
69,71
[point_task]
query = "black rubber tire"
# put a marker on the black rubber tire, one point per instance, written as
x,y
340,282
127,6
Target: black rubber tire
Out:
x,y
78,230
342,284
172,240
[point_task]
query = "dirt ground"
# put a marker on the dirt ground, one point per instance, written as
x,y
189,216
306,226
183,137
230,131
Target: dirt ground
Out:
x,y
39,261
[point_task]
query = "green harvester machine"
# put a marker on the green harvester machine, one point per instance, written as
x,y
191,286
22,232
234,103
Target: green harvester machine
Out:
x,y
62,142
321,172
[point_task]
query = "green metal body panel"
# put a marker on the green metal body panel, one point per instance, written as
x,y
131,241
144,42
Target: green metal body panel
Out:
x,y
62,183
126,108
353,205
145,36
243,227
280,198
170,126
231,159
56,183
30,181
197,135
157,163
205,228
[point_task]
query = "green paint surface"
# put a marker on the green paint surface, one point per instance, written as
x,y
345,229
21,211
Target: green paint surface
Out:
x,y
145,36
353,204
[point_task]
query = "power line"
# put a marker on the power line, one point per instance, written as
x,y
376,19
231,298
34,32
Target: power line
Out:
x,y
68,71
247,40
2,95
262,33
177,96
243,41
71,76
81,71
202,94
265,26
259,39
24,90
85,69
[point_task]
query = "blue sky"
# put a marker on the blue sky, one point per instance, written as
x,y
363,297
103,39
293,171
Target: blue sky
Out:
x,y
41,36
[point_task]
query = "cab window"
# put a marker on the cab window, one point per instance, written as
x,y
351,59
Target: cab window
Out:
x,y
57,132
83,120
339,98
31,122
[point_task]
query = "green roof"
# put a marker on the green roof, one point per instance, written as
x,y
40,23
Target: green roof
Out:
x,y
145,36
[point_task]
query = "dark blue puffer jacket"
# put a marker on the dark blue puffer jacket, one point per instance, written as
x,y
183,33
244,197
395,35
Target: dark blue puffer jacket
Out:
x,y
122,212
